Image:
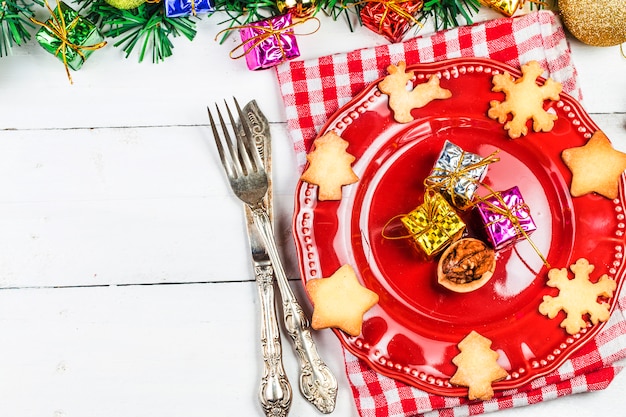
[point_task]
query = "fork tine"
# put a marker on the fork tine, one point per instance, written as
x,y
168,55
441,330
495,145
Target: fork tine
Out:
x,y
251,147
242,150
232,147
220,148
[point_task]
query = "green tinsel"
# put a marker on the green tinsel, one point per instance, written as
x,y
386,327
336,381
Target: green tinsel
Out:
x,y
146,27
445,13
242,12
14,21
148,30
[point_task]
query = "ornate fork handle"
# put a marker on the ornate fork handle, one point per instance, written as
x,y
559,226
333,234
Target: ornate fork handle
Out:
x,y
317,383
275,390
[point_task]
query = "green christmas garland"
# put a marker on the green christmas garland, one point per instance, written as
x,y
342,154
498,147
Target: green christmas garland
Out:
x,y
148,30
14,23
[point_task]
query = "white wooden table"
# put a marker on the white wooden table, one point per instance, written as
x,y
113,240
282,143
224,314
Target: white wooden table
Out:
x,y
126,285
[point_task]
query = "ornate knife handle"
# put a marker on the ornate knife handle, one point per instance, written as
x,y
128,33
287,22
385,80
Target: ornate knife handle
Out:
x,y
317,383
275,390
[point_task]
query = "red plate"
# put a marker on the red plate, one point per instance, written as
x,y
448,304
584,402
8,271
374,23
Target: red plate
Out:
x,y
412,333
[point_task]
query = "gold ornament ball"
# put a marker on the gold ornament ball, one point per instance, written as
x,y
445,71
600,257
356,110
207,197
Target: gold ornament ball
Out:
x,y
297,8
125,4
596,22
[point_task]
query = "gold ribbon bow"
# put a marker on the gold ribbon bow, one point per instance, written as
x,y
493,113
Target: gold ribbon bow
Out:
x,y
508,213
509,7
59,29
433,215
446,179
266,32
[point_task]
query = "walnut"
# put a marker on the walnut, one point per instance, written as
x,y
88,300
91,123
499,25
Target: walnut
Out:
x,y
466,265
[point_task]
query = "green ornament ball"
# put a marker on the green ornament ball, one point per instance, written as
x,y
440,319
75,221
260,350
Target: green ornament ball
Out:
x,y
597,22
125,4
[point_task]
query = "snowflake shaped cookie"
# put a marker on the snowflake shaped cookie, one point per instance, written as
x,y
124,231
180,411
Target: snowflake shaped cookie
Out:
x,y
524,100
578,297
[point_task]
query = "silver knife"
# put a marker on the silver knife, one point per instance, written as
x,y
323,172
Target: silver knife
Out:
x,y
275,391
317,383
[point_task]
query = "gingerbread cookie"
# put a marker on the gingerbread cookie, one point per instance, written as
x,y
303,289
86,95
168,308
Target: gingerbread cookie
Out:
x,y
578,297
524,100
402,101
477,368
340,301
330,166
596,167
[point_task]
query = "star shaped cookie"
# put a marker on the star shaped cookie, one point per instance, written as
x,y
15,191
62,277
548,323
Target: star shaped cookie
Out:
x,y
596,167
340,301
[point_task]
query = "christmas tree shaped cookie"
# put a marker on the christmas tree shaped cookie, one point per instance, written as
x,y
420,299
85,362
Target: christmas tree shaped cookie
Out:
x,y
477,368
330,166
578,297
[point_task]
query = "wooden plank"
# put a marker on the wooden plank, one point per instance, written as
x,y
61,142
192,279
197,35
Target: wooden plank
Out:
x,y
125,205
154,350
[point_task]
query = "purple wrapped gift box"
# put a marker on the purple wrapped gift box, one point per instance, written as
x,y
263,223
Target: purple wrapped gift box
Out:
x,y
268,43
505,215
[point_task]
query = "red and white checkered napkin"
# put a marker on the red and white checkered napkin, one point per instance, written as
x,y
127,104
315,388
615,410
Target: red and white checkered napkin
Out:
x,y
313,90
592,368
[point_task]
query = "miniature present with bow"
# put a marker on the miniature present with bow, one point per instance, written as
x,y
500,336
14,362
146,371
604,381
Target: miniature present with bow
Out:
x,y
269,42
506,217
68,36
457,174
434,224
177,8
390,18
506,7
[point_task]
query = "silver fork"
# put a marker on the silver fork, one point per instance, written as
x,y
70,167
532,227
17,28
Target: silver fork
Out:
x,y
249,183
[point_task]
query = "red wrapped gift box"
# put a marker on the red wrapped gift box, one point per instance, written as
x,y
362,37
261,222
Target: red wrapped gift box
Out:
x,y
390,19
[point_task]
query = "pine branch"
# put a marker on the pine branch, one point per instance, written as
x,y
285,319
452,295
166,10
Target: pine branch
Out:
x,y
445,13
146,28
14,21
338,8
243,12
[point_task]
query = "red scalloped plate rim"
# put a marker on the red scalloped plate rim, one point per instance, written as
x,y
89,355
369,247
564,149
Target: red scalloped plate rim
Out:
x,y
586,334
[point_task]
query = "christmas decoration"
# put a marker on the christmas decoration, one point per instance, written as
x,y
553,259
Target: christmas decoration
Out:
x,y
506,7
297,8
149,26
125,4
596,23
390,18
146,27
268,42
457,174
68,36
176,8
506,217
445,13
578,297
477,366
14,21
434,224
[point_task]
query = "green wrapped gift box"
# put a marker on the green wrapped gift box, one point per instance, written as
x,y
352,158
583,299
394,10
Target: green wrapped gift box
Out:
x,y
69,36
